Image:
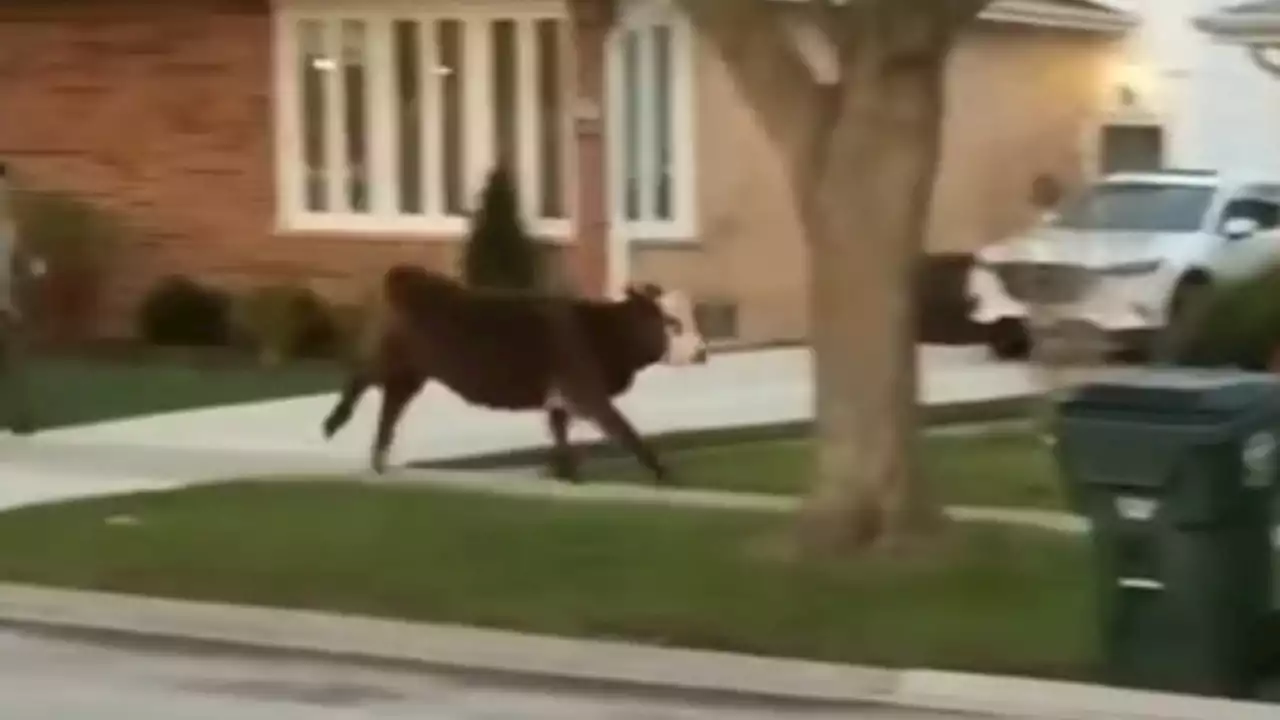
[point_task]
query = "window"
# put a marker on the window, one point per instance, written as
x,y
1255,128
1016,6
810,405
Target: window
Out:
x,y
1264,212
392,114
717,319
652,124
1133,206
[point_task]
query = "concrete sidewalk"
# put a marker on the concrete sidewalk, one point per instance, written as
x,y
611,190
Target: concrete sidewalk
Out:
x,y
732,390
625,667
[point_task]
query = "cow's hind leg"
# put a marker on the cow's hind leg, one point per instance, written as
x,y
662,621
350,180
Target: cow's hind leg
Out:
x,y
563,463
602,412
356,385
396,394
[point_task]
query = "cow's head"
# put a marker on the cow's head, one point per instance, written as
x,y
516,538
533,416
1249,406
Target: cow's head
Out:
x,y
682,343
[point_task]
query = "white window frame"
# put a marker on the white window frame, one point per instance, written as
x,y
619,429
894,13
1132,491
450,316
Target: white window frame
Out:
x,y
384,220
640,15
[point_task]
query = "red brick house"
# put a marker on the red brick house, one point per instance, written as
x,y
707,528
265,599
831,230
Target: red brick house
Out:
x,y
322,140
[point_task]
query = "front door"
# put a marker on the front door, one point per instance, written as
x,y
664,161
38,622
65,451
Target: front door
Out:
x,y
1132,148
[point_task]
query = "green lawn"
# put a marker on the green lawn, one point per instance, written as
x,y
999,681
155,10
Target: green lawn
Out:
x,y
73,391
997,599
1004,468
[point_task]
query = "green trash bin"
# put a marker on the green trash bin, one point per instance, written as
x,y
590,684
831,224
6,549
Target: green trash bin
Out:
x,y
1176,470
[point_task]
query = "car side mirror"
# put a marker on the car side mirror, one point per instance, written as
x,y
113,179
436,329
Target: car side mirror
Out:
x,y
1239,228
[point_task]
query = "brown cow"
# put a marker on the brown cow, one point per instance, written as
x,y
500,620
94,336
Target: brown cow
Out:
x,y
516,351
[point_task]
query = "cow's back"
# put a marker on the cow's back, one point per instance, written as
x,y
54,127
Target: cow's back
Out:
x,y
491,349
507,350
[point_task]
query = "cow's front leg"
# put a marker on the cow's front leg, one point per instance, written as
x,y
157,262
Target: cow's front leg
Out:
x,y
563,463
396,394
601,411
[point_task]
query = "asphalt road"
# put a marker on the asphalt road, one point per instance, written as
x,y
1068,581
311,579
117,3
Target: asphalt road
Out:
x,y
45,678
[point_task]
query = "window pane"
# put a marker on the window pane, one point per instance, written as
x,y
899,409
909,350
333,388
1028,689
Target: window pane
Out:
x,y
662,110
356,111
505,103
449,44
408,114
551,116
632,105
312,62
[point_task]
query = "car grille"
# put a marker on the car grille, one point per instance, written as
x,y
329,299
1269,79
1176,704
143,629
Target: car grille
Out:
x,y
1045,282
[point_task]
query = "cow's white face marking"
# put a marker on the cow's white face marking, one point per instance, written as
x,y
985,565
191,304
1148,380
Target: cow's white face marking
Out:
x,y
685,345
557,401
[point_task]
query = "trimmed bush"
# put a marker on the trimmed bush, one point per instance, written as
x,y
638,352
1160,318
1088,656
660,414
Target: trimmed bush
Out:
x,y
349,324
180,312
74,239
1239,325
285,322
500,253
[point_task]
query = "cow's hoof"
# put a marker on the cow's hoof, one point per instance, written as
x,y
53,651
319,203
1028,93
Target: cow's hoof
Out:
x,y
23,426
570,478
379,463
562,473
330,428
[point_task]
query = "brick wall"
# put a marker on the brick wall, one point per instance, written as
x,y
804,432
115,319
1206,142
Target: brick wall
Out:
x,y
162,112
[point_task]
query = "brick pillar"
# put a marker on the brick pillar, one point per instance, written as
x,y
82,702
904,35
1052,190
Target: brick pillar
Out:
x,y
590,21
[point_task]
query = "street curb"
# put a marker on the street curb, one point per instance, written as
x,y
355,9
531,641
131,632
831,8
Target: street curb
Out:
x,y
1031,698
445,648
941,415
609,666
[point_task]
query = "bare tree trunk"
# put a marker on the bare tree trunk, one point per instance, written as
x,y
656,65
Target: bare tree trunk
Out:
x,y
862,156
865,213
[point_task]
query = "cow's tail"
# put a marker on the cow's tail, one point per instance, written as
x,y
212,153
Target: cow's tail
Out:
x,y
414,293
365,343
408,294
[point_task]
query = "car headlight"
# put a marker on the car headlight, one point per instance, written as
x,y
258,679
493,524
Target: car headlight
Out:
x,y
1141,267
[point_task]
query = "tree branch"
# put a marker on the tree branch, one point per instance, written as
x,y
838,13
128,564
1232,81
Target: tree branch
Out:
x,y
752,38
757,42
961,12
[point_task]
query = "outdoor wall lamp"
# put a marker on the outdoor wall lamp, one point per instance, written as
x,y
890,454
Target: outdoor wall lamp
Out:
x,y
1132,80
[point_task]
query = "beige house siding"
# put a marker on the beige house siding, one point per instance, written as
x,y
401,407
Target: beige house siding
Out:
x,y
1021,101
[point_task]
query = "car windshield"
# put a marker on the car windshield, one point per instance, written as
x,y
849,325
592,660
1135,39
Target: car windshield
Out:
x,y
1148,207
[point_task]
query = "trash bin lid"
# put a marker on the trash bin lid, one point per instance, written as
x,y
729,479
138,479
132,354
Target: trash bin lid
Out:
x,y
1190,394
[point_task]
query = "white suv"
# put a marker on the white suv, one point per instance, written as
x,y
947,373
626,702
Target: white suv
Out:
x,y
1127,254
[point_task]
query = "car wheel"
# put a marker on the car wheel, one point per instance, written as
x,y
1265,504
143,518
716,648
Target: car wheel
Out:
x,y
1184,312
1008,340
